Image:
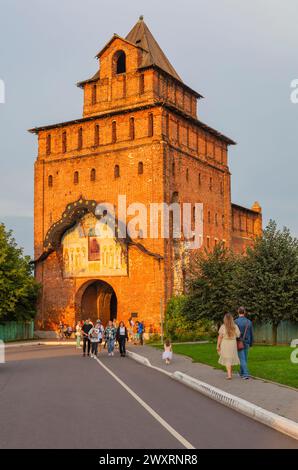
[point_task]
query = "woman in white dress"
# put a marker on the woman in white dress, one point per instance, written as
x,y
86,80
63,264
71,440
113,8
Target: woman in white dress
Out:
x,y
227,344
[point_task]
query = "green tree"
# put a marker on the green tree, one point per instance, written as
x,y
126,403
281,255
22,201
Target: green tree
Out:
x,y
268,278
18,289
211,288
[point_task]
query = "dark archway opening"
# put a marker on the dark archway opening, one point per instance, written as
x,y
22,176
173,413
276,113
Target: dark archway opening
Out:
x,y
99,301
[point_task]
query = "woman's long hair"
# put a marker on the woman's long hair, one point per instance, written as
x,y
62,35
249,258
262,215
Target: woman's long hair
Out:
x,y
230,325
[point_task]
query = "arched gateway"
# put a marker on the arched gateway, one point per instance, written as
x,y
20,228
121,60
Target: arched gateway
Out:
x,y
97,299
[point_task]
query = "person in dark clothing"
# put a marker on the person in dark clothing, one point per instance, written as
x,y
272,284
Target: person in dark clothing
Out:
x,y
122,337
246,331
86,340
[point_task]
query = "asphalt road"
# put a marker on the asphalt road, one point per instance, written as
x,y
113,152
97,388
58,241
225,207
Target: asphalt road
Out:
x,y
51,397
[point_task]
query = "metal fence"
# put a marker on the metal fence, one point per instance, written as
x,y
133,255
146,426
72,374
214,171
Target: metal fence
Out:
x,y
286,331
14,331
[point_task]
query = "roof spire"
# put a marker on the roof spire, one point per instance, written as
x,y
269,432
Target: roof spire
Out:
x,y
141,36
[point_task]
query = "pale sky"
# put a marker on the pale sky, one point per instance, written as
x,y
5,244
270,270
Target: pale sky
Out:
x,y
242,56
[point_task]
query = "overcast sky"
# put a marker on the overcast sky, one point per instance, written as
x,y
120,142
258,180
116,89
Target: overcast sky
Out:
x,y
242,56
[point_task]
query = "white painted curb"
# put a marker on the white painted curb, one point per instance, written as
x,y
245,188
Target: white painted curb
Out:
x,y
273,420
279,423
137,357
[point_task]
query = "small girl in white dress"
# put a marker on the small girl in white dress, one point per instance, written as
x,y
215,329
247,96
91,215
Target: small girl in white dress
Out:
x,y
168,353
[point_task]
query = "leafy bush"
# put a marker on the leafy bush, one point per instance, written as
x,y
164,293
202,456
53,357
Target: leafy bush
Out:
x,y
179,328
18,288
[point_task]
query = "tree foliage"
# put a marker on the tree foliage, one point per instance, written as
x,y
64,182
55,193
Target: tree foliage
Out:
x,y
211,286
265,281
18,289
268,278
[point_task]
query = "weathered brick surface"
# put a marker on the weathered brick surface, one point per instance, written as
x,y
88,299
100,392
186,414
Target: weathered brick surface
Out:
x,y
181,157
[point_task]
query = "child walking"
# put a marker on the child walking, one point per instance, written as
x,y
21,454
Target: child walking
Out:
x,y
167,355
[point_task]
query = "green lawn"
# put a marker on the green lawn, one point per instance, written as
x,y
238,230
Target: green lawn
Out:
x,y
268,362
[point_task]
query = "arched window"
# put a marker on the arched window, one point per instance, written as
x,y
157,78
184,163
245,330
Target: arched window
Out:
x,y
210,184
93,174
200,179
94,93
96,135
187,175
150,125
117,171
119,63
50,181
80,138
140,168
49,144
64,142
216,219
132,128
114,132
209,217
173,169
76,177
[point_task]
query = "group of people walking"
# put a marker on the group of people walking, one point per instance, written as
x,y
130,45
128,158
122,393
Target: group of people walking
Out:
x,y
95,335
235,337
234,340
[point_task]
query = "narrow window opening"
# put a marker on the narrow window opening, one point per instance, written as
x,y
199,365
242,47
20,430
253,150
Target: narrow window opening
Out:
x,y
140,168
80,138
150,125
93,174
142,84
132,128
64,142
49,144
96,135
117,171
114,132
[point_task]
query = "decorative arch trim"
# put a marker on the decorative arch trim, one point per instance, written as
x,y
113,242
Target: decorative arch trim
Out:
x,y
73,212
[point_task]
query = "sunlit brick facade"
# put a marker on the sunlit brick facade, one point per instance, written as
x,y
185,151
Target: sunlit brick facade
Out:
x,y
139,136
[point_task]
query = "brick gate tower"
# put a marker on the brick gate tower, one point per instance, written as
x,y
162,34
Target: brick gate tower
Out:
x,y
139,137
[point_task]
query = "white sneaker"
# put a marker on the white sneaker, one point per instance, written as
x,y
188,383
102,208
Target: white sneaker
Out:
x,y
91,356
112,354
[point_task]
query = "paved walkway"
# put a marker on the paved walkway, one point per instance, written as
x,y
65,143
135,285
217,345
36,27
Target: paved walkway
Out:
x,y
272,397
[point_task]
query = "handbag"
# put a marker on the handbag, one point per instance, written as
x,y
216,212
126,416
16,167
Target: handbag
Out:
x,y
240,341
